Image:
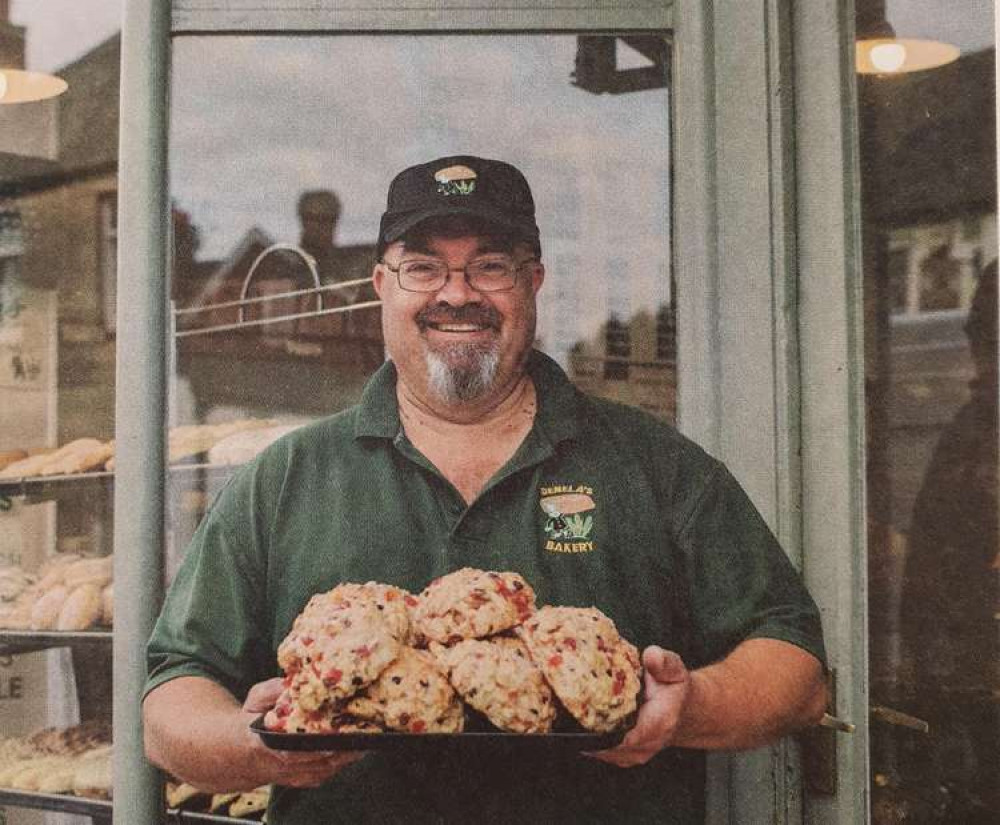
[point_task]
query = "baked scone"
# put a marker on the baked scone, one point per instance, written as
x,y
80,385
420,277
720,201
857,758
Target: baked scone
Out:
x,y
472,604
591,668
498,678
288,716
411,696
393,603
334,652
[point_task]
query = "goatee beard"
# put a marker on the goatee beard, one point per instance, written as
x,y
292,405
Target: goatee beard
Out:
x,y
462,373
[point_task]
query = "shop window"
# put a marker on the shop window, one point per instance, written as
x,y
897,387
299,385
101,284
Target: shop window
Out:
x,y
930,217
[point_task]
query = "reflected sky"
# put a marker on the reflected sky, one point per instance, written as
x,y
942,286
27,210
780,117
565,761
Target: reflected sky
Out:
x,y
257,120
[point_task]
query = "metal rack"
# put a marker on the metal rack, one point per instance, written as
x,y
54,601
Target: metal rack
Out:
x,y
41,488
317,290
101,809
14,642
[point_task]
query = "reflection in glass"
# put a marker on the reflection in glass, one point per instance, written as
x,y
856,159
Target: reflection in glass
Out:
x,y
245,145
930,240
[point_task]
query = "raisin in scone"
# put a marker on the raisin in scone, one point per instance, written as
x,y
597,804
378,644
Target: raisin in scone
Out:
x,y
593,671
336,652
498,678
472,604
412,695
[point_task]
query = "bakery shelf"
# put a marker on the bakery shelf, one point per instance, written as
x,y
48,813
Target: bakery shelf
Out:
x,y
195,816
41,488
98,808
28,641
64,803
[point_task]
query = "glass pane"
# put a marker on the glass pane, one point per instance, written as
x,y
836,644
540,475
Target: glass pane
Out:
x,y
58,173
293,142
930,232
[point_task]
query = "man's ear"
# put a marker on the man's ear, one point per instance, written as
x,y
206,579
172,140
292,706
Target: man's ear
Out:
x,y
537,277
378,279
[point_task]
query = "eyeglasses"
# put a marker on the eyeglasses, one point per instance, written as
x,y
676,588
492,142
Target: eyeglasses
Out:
x,y
489,273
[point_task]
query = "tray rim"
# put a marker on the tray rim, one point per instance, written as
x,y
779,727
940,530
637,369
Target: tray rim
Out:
x,y
393,740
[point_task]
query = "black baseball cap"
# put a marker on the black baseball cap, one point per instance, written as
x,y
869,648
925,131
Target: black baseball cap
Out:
x,y
490,190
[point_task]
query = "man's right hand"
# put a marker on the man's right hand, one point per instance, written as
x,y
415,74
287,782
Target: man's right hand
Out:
x,y
196,730
295,769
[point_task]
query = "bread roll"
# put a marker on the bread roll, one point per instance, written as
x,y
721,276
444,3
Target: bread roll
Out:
x,y
250,802
240,447
92,777
108,606
53,572
8,457
81,609
26,467
96,571
68,459
45,613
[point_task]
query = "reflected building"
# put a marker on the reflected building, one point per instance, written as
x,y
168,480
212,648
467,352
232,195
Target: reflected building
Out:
x,y
929,175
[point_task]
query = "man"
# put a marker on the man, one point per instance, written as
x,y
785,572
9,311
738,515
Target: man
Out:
x,y
445,463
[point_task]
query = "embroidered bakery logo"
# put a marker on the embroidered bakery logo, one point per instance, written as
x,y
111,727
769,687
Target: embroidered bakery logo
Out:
x,y
570,520
456,180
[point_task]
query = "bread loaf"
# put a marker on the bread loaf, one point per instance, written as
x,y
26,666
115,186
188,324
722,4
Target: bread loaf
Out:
x,y
95,571
45,613
107,606
81,609
69,459
8,457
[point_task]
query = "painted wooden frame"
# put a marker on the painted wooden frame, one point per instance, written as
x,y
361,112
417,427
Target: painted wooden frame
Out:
x,y
766,260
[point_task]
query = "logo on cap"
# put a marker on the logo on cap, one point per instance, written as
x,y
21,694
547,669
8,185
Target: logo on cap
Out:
x,y
456,180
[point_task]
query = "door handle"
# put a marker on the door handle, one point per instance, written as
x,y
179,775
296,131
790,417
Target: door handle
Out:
x,y
890,716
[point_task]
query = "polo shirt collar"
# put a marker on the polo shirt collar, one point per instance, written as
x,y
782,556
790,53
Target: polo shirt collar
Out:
x,y
378,411
558,402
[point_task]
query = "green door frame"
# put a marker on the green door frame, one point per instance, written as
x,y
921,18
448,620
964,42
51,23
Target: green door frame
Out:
x,y
766,261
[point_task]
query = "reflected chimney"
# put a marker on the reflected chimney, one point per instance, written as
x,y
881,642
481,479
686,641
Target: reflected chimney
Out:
x,y
11,40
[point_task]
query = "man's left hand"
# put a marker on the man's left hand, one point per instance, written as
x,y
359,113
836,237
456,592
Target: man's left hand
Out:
x,y
668,686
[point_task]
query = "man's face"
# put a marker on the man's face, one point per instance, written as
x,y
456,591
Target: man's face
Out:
x,y
457,344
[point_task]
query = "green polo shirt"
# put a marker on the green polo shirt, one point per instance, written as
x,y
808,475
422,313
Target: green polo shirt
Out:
x,y
669,547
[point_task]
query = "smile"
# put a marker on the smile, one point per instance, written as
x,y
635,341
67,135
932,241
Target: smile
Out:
x,y
458,328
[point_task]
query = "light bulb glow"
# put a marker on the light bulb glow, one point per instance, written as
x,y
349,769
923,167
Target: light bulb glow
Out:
x,y
888,57
897,55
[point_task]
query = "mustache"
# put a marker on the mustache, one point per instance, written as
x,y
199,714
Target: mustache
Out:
x,y
479,314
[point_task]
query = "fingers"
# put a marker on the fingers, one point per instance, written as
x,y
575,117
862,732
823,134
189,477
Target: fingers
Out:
x,y
664,666
263,695
310,770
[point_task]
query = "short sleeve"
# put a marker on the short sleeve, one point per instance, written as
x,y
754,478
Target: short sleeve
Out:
x,y
741,584
211,624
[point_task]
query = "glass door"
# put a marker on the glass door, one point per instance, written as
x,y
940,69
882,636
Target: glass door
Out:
x,y
928,160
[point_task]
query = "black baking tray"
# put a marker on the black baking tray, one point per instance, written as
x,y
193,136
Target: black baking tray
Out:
x,y
559,741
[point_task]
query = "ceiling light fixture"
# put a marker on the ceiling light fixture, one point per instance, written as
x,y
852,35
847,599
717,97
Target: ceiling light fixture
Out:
x,y
879,51
19,86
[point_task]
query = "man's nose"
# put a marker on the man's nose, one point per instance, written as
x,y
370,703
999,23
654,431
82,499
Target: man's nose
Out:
x,y
456,290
